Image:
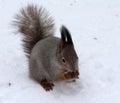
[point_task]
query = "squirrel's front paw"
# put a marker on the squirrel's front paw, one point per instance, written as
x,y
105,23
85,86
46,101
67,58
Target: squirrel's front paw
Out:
x,y
71,75
46,85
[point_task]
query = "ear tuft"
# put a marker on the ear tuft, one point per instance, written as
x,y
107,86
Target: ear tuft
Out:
x,y
65,35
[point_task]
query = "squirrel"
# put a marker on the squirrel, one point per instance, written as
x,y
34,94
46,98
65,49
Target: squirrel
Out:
x,y
50,58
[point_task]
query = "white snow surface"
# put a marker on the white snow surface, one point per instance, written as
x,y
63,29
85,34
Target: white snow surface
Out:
x,y
95,29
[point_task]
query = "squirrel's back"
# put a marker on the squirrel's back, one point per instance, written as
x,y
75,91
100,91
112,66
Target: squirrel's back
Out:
x,y
35,24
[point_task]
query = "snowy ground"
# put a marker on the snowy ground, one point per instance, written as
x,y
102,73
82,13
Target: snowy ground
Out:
x,y
95,28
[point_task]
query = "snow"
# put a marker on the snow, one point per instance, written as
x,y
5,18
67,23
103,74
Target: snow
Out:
x,y
95,28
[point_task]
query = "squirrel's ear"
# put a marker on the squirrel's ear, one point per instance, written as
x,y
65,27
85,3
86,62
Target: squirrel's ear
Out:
x,y
65,36
65,39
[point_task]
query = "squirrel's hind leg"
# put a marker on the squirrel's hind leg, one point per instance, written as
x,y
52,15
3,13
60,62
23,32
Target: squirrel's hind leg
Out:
x,y
46,85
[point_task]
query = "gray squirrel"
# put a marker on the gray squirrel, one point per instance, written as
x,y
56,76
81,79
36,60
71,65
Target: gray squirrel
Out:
x,y
50,58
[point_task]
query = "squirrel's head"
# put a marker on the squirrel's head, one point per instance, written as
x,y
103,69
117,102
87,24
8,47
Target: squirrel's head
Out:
x,y
66,52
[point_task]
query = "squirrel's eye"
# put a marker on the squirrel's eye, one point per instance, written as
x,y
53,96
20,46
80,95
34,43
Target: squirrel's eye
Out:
x,y
63,60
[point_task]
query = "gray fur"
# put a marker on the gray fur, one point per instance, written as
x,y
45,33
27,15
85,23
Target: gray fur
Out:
x,y
43,60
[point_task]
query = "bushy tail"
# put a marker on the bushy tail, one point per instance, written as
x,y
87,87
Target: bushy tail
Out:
x,y
35,24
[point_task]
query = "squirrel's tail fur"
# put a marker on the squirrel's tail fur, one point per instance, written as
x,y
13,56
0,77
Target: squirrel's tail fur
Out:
x,y
35,24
